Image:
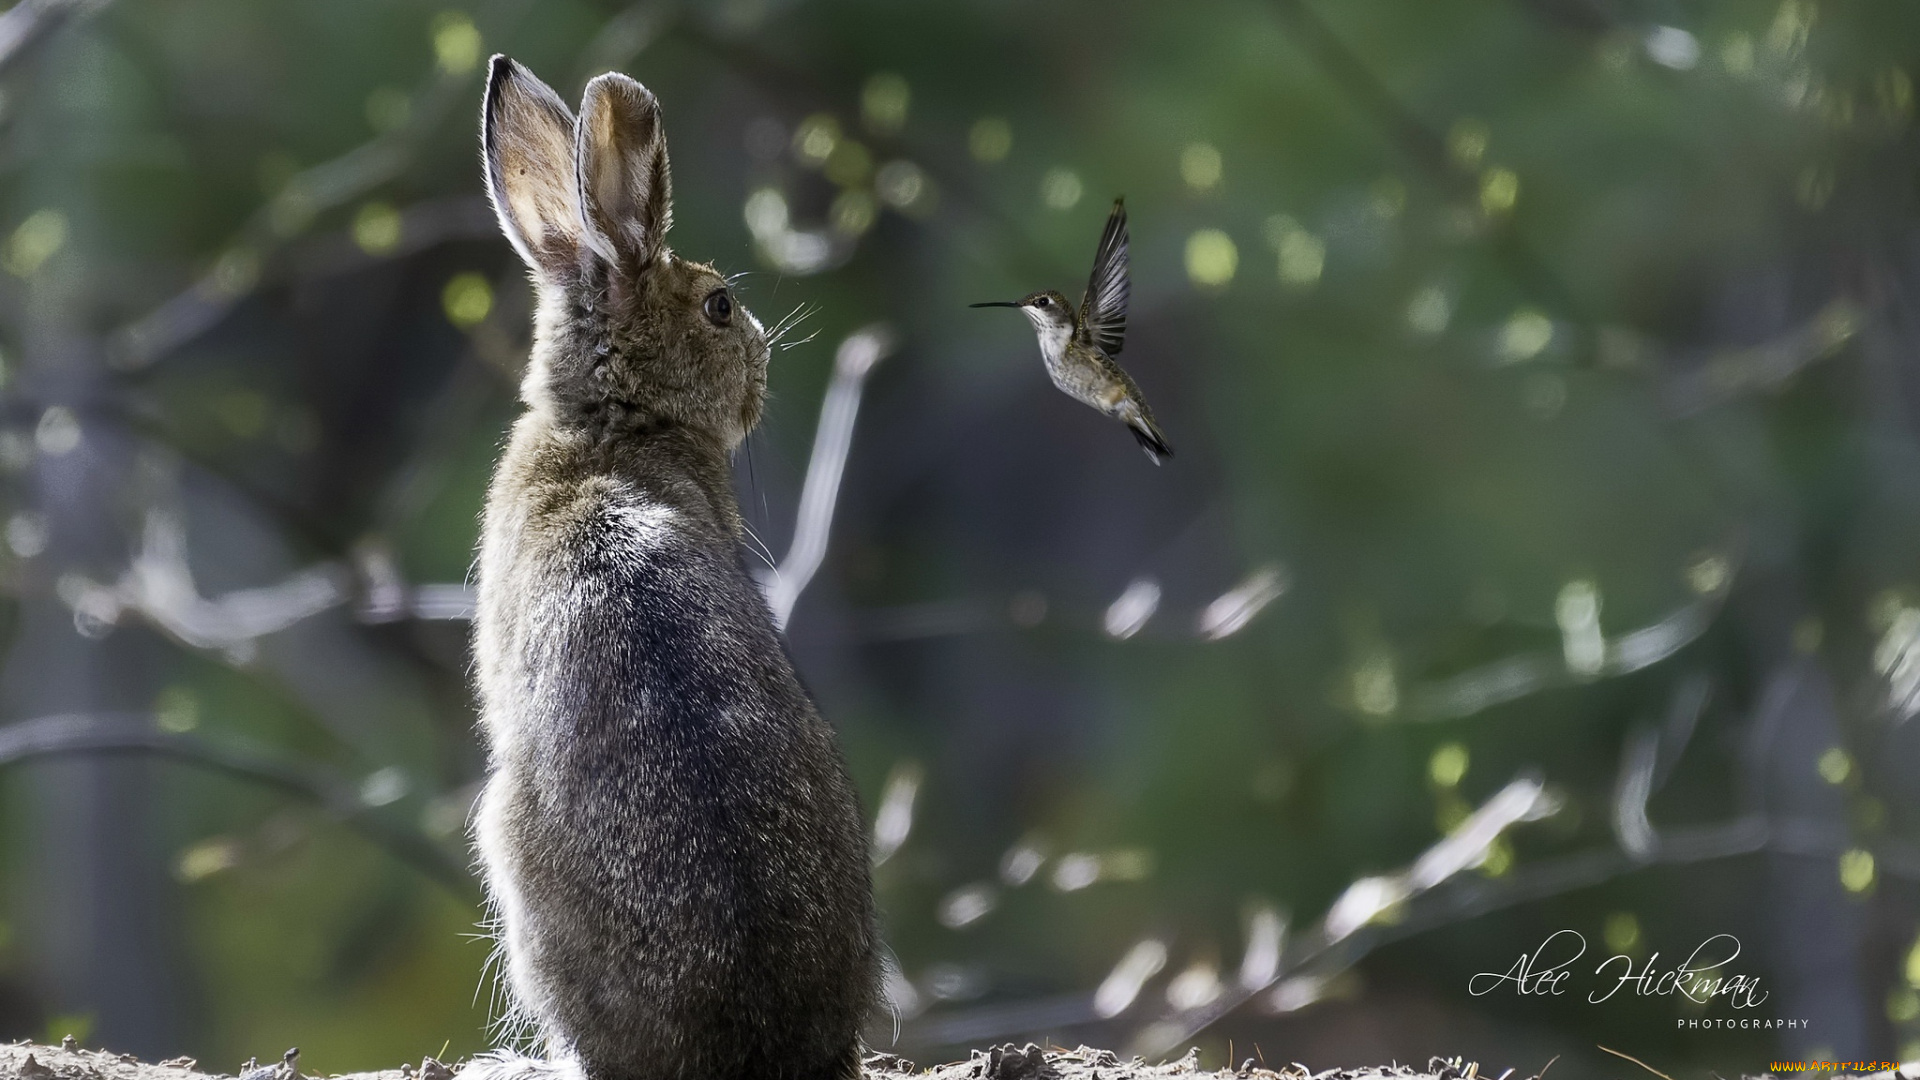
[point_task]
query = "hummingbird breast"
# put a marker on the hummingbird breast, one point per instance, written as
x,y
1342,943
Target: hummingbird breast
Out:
x,y
1082,372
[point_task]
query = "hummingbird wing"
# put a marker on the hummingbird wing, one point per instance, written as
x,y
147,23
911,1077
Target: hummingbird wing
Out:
x,y
1103,311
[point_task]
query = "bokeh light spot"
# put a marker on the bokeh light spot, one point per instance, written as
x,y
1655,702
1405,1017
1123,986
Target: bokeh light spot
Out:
x,y
207,858
177,709
1302,254
1708,573
1526,333
1060,188
904,186
1212,258
1200,166
1447,765
1577,610
457,46
1672,47
990,140
849,164
1857,871
1467,142
815,138
1621,932
376,228
1736,54
853,212
1376,687
1499,190
58,431
36,240
884,101
1429,311
467,299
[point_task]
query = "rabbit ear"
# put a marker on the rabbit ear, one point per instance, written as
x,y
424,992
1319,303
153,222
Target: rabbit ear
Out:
x,y
527,139
626,188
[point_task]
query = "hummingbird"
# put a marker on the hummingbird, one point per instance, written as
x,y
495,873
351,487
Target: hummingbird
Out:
x,y
1079,347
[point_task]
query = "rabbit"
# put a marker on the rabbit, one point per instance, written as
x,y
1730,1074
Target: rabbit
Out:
x,y
670,841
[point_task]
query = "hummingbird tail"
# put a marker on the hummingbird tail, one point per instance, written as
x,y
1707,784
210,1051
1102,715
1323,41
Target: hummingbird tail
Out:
x,y
1154,443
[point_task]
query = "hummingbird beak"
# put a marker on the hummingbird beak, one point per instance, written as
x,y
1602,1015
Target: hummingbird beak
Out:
x,y
996,303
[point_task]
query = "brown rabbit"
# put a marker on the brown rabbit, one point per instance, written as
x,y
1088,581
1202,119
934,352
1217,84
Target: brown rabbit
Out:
x,y
670,840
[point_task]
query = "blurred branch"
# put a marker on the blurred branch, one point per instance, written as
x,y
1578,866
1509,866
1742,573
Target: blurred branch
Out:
x,y
159,585
1684,709
1515,677
1723,374
1463,695
626,36
159,582
1434,892
1362,904
832,437
1426,148
240,270
247,265
492,363
29,22
135,733
389,598
237,272
1639,756
932,619
1130,614
423,225
1430,894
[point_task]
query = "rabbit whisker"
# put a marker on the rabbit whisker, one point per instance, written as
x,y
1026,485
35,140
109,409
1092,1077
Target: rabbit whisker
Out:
x,y
785,345
790,322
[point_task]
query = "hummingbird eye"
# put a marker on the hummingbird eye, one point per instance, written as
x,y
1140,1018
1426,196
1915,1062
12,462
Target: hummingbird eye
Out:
x,y
1042,302
719,307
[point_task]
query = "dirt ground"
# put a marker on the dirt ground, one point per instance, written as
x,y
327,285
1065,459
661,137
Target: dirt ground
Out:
x,y
28,1061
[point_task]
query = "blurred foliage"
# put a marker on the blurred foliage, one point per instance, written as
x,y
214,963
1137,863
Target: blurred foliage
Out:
x,y
1488,333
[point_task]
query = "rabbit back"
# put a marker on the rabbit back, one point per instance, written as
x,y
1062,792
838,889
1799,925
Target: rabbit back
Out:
x,y
703,905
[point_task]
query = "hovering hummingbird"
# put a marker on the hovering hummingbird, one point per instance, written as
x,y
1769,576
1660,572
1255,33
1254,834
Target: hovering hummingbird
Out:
x,y
1079,347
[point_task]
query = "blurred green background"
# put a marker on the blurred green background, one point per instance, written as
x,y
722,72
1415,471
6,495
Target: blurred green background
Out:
x,y
1545,380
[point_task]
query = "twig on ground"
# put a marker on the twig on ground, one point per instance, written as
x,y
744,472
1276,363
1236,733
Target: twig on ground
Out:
x,y
1636,1061
26,1061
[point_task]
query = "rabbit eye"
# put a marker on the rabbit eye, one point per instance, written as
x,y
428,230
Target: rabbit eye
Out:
x,y
719,307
